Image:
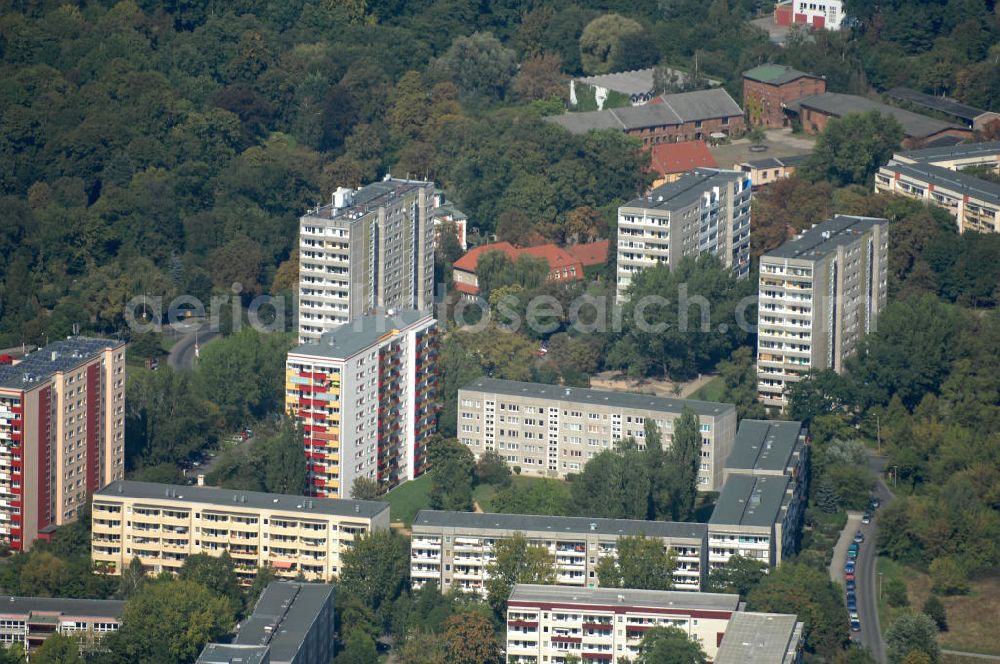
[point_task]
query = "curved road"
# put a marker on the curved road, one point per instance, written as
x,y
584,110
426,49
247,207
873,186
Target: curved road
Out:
x,y
870,635
181,355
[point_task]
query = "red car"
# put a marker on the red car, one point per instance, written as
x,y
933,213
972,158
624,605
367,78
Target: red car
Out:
x,y
849,576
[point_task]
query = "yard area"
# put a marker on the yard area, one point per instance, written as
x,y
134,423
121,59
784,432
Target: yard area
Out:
x,y
485,493
710,391
409,498
971,618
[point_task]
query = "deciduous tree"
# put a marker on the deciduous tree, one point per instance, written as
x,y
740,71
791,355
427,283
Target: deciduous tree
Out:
x,y
516,561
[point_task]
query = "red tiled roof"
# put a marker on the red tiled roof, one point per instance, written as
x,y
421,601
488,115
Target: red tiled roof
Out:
x,y
466,288
468,262
556,258
679,157
593,253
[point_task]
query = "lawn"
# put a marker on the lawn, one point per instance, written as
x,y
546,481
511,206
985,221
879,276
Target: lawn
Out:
x,y
409,498
710,391
971,618
485,493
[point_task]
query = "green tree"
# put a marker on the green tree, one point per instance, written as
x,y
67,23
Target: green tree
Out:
x,y
639,562
911,632
934,609
491,468
740,575
603,40
364,488
453,466
215,573
132,579
542,496
669,645
58,649
469,639
480,64
359,648
516,561
376,568
948,577
169,621
853,147
12,654
895,593
683,458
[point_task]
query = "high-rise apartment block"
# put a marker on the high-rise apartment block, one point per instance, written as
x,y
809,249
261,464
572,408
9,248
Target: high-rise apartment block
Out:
x,y
62,434
704,211
819,295
552,431
163,524
368,249
366,398
453,549
607,625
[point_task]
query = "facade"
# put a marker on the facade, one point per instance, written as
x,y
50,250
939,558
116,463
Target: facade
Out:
x,y
444,212
705,211
31,620
62,434
366,398
370,248
770,169
756,516
821,14
163,524
761,638
767,89
685,116
819,295
815,112
292,623
563,266
453,549
669,161
552,431
935,176
606,626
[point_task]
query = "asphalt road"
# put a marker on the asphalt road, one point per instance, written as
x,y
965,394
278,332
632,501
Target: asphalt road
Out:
x,y
870,635
181,355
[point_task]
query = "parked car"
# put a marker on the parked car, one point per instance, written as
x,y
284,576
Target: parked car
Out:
x,y
851,586
852,555
849,567
875,502
855,616
852,605
855,625
859,537
866,518
849,576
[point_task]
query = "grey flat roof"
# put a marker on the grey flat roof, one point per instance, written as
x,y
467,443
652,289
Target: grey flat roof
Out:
x,y
654,599
585,395
756,638
227,498
369,198
774,74
96,608
283,616
940,104
230,653
931,155
351,338
673,109
839,105
685,190
748,500
557,524
636,81
764,445
40,365
956,180
776,162
825,237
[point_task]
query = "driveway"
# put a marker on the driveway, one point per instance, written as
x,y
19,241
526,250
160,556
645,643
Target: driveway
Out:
x,y
181,355
840,550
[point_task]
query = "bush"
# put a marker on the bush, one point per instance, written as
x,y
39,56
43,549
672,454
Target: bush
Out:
x,y
934,609
948,577
895,593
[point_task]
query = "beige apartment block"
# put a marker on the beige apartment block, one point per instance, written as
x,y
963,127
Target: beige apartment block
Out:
x,y
163,524
453,549
819,295
552,431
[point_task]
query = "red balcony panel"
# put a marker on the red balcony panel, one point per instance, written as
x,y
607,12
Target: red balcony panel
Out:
x,y
522,623
567,639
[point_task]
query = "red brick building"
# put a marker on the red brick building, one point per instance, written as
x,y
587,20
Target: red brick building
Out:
x,y
767,89
564,264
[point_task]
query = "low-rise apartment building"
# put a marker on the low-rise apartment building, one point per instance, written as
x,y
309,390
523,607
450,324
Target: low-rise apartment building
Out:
x,y
769,447
703,211
62,434
366,399
819,295
29,621
935,175
607,625
756,516
769,170
552,431
453,549
163,524
292,623
769,87
761,638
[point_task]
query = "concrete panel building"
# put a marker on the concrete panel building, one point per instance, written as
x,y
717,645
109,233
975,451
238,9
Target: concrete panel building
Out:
x,y
761,638
163,524
369,248
935,176
769,447
29,621
703,211
552,431
62,434
756,517
366,398
453,549
607,625
819,295
292,623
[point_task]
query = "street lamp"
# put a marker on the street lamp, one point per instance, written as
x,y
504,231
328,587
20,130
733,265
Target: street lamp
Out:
x,y
895,475
880,586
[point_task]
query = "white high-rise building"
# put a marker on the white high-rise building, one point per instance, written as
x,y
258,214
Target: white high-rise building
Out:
x,y
370,248
704,211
